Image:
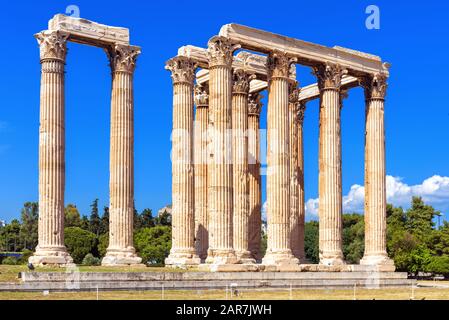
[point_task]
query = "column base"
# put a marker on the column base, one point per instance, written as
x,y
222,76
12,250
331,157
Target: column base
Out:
x,y
51,256
332,259
244,257
121,257
221,257
182,258
280,258
381,262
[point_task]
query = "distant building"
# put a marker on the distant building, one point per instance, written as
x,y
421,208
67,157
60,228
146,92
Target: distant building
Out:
x,y
166,209
2,223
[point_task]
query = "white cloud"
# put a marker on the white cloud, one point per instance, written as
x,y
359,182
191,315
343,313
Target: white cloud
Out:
x,y
433,190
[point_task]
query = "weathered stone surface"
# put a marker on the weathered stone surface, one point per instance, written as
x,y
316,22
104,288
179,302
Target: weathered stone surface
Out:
x,y
89,32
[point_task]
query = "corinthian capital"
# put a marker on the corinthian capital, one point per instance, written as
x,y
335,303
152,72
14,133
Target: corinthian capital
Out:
x,y
123,58
220,50
278,64
254,104
53,44
375,86
201,96
182,70
293,92
241,80
329,75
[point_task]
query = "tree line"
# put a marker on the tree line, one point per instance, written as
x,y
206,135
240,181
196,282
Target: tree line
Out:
x,y
414,241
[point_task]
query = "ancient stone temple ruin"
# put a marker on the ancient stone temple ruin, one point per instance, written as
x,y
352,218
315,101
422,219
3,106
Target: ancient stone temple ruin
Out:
x,y
122,57
216,161
216,152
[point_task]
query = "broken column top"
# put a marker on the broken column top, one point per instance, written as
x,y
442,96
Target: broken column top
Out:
x,y
89,32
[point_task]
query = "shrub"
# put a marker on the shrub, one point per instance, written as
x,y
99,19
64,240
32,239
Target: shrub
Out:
x,y
10,261
79,242
25,255
103,242
90,260
153,244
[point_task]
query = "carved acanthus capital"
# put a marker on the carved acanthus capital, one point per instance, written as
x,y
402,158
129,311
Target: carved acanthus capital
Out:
x,y
201,96
375,86
220,51
241,80
122,58
53,44
329,75
254,104
293,92
279,64
182,70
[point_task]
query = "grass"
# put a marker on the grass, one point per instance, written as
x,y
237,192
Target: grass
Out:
x,y
361,294
10,274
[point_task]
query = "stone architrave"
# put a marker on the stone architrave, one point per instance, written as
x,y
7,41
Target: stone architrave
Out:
x,y
375,185
255,183
200,168
121,184
51,249
241,82
221,249
278,156
183,250
330,193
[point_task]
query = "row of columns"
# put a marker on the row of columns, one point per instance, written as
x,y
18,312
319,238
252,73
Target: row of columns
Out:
x,y
51,248
225,198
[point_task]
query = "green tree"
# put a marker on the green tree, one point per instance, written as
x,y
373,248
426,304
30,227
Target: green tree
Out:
x,y
353,237
146,218
419,219
104,223
103,243
72,216
85,223
163,219
10,236
79,242
153,244
29,227
94,221
311,241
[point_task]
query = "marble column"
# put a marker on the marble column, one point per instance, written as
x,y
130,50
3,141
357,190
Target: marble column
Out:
x,y
278,169
200,168
255,184
299,251
375,185
240,91
183,225
221,250
296,173
51,249
330,193
121,163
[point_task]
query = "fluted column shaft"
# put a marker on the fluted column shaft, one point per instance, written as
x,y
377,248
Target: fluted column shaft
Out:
x,y
254,185
200,169
241,81
51,248
296,115
221,181
330,189
299,250
183,224
375,185
278,170
121,163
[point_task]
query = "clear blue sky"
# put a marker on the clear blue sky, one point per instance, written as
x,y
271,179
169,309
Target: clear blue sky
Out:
x,y
413,36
